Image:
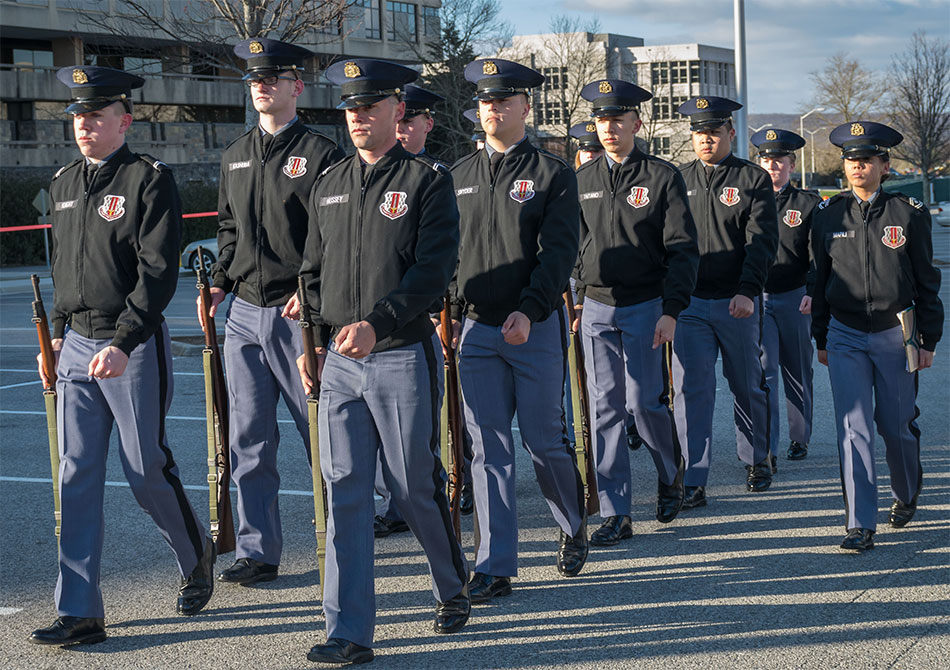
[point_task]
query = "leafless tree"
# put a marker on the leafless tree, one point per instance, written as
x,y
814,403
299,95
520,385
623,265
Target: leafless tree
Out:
x,y
846,88
920,104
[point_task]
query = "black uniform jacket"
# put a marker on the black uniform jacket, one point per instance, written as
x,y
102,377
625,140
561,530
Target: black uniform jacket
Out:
x,y
868,271
519,234
262,211
736,227
638,238
115,248
382,246
793,259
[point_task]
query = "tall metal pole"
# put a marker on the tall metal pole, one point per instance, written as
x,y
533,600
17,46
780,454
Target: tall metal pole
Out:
x,y
801,132
741,125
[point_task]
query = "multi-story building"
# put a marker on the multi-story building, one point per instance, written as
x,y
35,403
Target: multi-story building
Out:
x,y
193,103
672,72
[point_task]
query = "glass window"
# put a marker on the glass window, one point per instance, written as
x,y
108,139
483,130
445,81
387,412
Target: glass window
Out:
x,y
555,78
29,57
661,146
660,73
431,23
678,70
402,21
660,108
370,18
694,70
143,65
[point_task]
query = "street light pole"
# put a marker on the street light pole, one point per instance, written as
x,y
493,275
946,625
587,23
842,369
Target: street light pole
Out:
x,y
811,134
801,131
742,137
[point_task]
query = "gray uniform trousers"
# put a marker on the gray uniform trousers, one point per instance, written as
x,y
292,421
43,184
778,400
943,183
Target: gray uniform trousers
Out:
x,y
624,377
136,402
260,354
703,330
498,379
869,370
786,346
385,402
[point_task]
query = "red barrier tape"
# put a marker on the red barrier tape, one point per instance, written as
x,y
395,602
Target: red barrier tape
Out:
x,y
38,226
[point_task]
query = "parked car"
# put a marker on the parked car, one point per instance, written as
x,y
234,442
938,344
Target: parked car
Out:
x,y
189,257
940,213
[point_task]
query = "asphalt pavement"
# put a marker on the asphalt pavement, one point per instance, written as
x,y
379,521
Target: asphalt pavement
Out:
x,y
751,581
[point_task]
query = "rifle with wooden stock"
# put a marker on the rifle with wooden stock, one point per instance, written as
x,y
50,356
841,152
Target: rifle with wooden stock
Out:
x,y
216,412
313,400
48,359
583,446
452,430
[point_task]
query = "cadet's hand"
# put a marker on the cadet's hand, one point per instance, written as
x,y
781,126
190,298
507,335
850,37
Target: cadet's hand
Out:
x,y
805,307
306,379
741,307
109,362
576,325
57,346
823,356
456,332
925,359
217,297
292,309
665,328
516,328
356,340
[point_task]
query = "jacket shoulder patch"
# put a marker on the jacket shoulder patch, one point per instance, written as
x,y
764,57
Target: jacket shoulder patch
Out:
x,y
154,162
548,154
913,202
66,167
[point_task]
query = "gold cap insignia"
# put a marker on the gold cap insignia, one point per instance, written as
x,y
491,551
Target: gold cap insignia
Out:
x,y
351,70
702,103
256,47
478,114
590,127
605,87
857,129
770,135
79,77
489,67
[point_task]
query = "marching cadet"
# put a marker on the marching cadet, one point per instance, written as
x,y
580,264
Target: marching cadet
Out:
x,y
588,145
519,225
389,224
116,237
873,260
478,133
636,271
734,209
786,302
266,178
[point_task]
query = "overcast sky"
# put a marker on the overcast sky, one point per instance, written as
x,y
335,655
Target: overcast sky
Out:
x,y
785,39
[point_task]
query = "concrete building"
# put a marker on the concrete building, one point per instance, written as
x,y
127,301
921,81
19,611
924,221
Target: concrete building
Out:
x,y
192,104
672,72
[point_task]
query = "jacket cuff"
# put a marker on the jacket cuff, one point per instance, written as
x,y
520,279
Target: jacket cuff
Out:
x,y
59,327
222,282
673,308
750,291
457,310
382,322
322,335
126,339
821,342
532,309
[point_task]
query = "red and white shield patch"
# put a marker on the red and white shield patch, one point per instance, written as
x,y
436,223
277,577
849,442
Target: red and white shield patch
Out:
x,y
296,167
729,196
522,190
793,218
893,236
394,204
112,207
639,197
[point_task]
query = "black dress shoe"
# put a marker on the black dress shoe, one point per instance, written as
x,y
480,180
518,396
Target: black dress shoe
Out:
x,y
572,554
383,527
796,451
759,477
694,496
902,513
670,497
248,571
196,589
612,530
858,539
340,652
483,588
71,630
773,460
467,501
451,615
634,441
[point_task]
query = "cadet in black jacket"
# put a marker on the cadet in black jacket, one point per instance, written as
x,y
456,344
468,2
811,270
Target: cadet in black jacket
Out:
x,y
786,302
116,236
519,228
873,260
636,271
382,246
734,208
266,178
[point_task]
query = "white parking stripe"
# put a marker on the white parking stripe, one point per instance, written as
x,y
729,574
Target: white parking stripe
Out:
x,y
125,485
186,374
7,611
13,386
172,417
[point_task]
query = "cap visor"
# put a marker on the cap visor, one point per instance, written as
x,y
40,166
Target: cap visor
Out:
x,y
91,106
612,111
708,124
360,101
